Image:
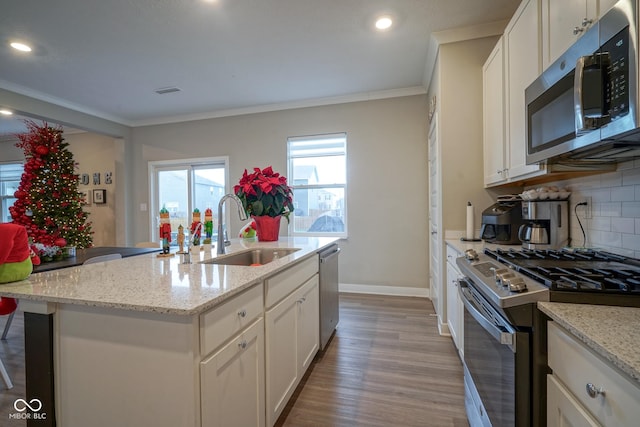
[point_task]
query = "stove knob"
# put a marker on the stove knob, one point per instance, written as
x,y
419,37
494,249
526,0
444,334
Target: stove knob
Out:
x,y
505,279
499,273
517,285
471,255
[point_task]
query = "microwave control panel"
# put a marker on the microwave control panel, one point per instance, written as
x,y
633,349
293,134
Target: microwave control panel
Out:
x,y
616,96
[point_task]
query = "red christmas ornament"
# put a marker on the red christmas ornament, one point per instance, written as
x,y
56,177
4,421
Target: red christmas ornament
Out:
x,y
60,242
42,150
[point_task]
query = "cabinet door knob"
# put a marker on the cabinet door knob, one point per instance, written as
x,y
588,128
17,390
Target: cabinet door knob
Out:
x,y
577,30
586,21
594,391
242,344
242,313
301,300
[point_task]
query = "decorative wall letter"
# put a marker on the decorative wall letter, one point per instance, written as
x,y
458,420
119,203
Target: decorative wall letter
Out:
x,y
96,178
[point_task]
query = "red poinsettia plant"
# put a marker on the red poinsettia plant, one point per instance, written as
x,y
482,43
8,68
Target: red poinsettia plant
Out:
x,y
265,193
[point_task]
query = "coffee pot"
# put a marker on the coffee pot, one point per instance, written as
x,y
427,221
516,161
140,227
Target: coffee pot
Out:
x,y
533,233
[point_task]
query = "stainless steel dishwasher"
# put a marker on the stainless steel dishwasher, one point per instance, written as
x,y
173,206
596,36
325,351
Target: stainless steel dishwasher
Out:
x,y
329,299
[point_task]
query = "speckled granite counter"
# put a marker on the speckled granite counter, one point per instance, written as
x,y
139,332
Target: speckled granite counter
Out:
x,y
612,332
154,284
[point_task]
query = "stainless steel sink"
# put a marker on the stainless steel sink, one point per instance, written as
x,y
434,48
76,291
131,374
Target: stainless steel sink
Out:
x,y
253,257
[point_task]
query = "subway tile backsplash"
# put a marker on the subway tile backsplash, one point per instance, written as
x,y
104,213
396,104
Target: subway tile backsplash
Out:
x,y
615,212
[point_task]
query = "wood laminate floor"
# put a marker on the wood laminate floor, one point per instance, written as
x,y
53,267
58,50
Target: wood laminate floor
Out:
x,y
386,365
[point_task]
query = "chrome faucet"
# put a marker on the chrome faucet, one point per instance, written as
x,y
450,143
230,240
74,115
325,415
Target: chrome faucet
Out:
x,y
243,216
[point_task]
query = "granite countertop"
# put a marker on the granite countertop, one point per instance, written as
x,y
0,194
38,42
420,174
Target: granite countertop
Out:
x,y
159,284
611,332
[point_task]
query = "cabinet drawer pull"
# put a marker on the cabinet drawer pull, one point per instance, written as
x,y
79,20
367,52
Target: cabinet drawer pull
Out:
x,y
594,391
242,313
301,300
242,344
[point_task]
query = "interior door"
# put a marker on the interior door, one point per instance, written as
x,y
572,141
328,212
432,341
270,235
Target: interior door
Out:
x,y
435,283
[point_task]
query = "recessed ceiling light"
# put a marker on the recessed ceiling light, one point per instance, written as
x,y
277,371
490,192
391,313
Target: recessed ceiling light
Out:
x,y
5,112
21,47
384,22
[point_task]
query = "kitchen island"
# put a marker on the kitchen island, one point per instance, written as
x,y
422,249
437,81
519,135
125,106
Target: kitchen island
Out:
x,y
146,340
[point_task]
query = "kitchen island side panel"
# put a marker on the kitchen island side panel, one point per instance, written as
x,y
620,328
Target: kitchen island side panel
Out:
x,y
116,367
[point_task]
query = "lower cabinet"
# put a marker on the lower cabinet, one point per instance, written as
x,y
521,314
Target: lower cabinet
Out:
x,y
232,381
563,410
585,389
455,309
292,340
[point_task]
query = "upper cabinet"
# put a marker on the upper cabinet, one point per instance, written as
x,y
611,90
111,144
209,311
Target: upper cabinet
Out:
x,y
539,32
511,67
522,60
493,116
563,22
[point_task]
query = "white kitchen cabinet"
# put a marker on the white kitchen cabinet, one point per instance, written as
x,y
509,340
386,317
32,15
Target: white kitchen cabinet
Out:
x,y
594,390
522,67
493,116
455,309
292,339
563,22
232,381
563,410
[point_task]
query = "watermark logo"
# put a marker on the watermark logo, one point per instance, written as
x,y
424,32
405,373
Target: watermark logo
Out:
x,y
28,410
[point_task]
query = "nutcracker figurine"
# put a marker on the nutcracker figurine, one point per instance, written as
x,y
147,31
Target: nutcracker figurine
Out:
x,y
180,239
196,228
165,230
208,223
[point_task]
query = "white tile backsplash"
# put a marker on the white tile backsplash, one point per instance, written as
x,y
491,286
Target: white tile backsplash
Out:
x,y
615,210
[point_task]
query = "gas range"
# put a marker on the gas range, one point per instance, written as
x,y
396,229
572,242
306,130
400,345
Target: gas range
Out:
x,y
584,276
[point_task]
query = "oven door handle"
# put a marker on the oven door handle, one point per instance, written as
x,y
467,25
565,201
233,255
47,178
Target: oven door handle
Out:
x,y
503,334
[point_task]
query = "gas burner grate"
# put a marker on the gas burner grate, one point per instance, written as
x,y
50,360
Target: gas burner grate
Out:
x,y
589,272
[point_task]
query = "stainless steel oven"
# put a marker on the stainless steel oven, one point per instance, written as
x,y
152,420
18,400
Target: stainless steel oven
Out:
x,y
497,359
505,334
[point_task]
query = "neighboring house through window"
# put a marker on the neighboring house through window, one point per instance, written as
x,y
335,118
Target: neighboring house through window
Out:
x,y
318,176
10,174
183,185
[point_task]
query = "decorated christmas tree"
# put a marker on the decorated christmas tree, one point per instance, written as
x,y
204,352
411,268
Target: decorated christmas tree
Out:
x,y
48,202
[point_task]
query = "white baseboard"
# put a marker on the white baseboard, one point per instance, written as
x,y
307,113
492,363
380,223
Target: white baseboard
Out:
x,y
384,290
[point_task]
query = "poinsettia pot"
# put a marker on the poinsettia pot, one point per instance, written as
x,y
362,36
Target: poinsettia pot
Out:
x,y
267,227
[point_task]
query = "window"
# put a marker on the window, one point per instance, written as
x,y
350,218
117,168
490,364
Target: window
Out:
x,y
10,174
318,176
183,185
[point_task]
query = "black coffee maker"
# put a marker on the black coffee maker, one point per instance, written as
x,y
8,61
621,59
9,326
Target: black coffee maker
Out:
x,y
501,221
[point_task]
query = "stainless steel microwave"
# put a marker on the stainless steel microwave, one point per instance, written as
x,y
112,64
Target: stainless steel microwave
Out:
x,y
584,106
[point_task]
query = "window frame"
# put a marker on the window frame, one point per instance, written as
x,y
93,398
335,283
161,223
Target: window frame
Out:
x,y
192,164
5,197
291,179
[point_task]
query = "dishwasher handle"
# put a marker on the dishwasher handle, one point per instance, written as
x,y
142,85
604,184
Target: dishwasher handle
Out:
x,y
327,255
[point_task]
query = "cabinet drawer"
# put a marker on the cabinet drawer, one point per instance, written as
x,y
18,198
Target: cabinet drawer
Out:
x,y
575,365
282,284
225,320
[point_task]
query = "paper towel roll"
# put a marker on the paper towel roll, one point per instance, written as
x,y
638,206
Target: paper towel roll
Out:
x,y
470,227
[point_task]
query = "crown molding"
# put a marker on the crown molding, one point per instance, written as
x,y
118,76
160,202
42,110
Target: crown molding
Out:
x,y
317,102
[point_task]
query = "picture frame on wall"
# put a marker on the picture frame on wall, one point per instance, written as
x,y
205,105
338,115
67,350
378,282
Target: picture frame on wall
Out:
x,y
99,196
85,197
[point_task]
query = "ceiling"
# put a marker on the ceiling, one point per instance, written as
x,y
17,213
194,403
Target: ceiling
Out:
x,y
107,58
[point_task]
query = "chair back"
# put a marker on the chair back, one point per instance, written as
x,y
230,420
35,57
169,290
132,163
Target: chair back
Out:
x,y
102,258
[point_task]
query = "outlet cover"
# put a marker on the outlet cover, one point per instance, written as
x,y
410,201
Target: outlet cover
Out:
x,y
588,209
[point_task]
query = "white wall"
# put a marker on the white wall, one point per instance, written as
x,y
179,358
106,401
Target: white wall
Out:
x,y
387,175
615,222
